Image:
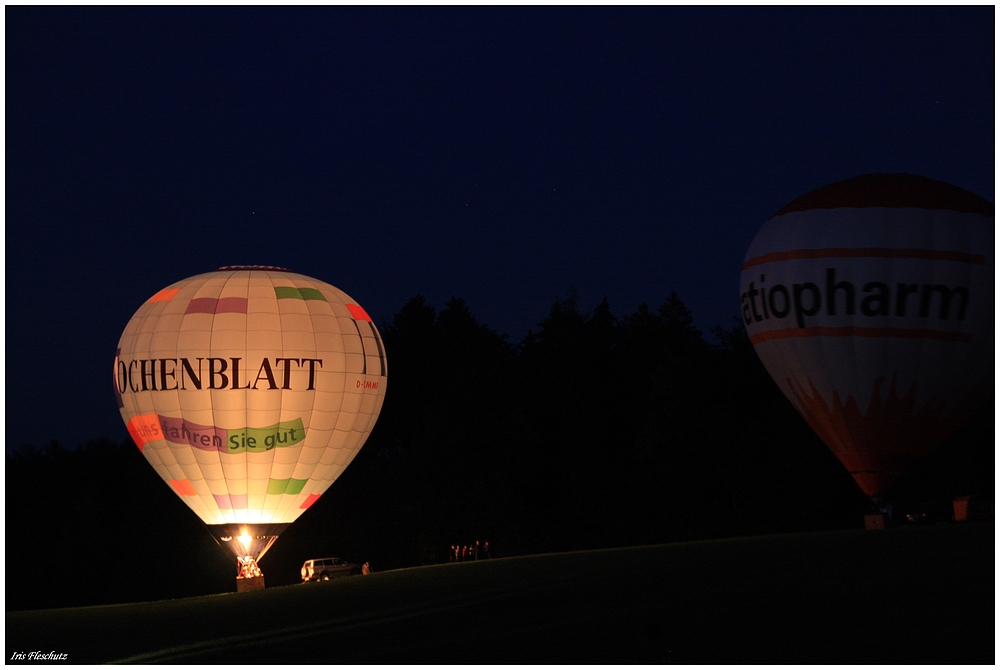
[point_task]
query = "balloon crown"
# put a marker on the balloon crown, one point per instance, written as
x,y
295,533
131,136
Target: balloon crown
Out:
x,y
272,268
889,189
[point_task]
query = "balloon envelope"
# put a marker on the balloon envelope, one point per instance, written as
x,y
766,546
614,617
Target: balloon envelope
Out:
x,y
870,303
250,390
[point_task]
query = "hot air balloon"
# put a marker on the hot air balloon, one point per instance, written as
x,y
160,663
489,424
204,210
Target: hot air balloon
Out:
x,y
249,390
870,303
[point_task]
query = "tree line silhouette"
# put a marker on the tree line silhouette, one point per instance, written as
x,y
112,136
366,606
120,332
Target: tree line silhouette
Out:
x,y
592,431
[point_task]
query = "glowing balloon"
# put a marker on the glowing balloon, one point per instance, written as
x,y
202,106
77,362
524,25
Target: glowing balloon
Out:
x,y
250,390
870,303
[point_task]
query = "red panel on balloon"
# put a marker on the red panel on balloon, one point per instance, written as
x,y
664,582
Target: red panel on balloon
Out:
x,y
144,428
183,487
309,501
358,313
165,295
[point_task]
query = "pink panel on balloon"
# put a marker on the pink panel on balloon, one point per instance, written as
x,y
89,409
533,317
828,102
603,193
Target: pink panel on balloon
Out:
x,y
217,306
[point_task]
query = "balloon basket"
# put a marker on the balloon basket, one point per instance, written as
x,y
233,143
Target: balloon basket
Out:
x,y
249,583
876,521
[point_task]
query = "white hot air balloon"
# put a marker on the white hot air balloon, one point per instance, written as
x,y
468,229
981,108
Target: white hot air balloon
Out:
x,y
870,302
249,390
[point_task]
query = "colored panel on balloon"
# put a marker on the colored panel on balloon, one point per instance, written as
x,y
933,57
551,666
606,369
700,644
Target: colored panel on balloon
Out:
x,y
183,487
144,428
290,486
239,501
358,313
232,304
202,306
180,431
217,306
312,294
259,440
165,295
309,501
223,501
281,292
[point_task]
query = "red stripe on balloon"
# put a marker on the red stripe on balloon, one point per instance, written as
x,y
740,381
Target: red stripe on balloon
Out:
x,y
858,331
866,252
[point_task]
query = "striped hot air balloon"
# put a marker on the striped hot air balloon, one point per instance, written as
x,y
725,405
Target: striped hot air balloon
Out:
x,y
870,302
249,390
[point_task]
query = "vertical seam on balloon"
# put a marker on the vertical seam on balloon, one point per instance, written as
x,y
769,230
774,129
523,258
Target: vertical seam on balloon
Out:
x,y
176,393
281,393
364,352
136,408
211,395
378,343
281,508
355,432
215,418
344,390
245,419
175,469
287,504
297,282
145,319
363,422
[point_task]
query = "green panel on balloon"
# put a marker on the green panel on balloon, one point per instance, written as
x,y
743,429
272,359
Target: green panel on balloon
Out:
x,y
298,293
289,486
259,440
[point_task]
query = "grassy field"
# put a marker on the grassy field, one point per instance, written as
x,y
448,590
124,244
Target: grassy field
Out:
x,y
903,595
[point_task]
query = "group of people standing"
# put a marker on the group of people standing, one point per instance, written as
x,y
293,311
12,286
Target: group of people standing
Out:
x,y
469,552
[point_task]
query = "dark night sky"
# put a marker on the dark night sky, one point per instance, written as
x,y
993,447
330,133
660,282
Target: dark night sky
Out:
x,y
499,154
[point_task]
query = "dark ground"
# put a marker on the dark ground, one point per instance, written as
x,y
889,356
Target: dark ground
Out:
x,y
913,595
